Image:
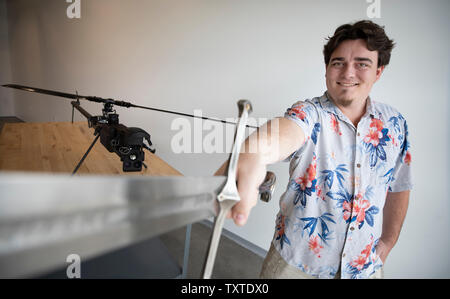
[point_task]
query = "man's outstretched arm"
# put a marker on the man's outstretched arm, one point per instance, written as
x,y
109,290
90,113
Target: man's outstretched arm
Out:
x,y
272,142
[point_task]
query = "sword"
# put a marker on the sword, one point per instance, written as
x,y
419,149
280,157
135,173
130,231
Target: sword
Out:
x,y
44,218
229,195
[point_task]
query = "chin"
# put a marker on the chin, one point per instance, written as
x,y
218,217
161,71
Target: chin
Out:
x,y
342,99
345,101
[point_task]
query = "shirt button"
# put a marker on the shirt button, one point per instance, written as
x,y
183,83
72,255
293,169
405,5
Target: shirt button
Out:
x,y
343,255
352,228
358,165
358,134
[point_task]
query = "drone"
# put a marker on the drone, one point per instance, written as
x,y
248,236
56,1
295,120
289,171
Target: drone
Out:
x,y
127,142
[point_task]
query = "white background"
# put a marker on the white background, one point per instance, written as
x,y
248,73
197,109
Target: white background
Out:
x,y
207,54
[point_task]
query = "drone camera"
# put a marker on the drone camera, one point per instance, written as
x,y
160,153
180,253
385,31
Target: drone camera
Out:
x,y
127,143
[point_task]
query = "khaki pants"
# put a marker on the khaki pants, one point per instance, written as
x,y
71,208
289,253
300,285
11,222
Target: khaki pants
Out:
x,y
274,267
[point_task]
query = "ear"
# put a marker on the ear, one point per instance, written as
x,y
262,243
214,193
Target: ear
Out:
x,y
379,72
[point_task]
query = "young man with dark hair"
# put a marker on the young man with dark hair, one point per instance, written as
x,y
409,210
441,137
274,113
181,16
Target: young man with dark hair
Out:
x,y
349,182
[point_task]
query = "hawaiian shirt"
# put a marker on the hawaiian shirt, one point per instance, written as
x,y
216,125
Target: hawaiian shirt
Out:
x,y
331,213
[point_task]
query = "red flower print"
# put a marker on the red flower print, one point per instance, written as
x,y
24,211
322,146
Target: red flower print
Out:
x,y
366,251
314,245
347,209
306,184
335,125
281,227
408,158
320,193
359,210
377,123
360,206
281,231
359,262
298,111
362,259
375,132
306,181
373,137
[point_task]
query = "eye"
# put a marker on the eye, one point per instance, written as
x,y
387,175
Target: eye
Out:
x,y
337,64
363,65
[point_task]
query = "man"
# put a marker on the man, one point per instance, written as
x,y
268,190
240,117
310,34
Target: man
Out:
x,y
349,182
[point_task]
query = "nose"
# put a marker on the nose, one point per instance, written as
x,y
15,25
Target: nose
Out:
x,y
348,71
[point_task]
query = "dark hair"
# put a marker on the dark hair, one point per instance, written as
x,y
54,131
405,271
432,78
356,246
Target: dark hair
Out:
x,y
373,34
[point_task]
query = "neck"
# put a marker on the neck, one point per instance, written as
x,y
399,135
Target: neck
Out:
x,y
353,110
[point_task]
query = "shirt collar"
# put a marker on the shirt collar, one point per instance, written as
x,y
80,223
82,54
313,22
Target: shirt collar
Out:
x,y
328,105
370,107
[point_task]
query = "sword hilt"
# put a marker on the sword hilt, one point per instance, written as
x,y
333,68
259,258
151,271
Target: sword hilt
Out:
x,y
267,187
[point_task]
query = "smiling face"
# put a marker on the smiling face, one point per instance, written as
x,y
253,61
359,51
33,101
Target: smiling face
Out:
x,y
351,72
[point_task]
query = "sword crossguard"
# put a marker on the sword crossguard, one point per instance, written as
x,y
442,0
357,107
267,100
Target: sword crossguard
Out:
x,y
229,195
229,191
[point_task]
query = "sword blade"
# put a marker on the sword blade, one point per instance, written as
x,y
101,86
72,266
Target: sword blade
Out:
x,y
45,218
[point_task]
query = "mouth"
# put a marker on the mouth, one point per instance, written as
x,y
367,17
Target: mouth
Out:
x,y
347,84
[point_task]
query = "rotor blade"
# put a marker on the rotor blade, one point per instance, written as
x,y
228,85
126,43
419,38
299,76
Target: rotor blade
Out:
x,y
44,218
114,102
189,115
44,91
67,95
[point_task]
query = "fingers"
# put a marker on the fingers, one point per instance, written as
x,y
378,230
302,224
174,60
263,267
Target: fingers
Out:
x,y
250,175
241,210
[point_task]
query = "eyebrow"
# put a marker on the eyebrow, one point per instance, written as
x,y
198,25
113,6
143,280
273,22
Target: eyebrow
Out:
x,y
337,59
363,59
356,58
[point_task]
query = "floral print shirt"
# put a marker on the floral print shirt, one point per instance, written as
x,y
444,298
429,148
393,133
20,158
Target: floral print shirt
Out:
x,y
331,213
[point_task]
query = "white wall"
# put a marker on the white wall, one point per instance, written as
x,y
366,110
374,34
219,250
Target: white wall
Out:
x,y
201,54
6,96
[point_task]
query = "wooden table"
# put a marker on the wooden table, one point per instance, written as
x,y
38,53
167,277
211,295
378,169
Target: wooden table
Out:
x,y
57,147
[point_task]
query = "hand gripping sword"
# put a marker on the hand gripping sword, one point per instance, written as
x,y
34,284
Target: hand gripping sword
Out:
x,y
229,195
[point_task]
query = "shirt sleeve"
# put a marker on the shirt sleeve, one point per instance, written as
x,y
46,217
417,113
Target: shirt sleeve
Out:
x,y
305,115
402,171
